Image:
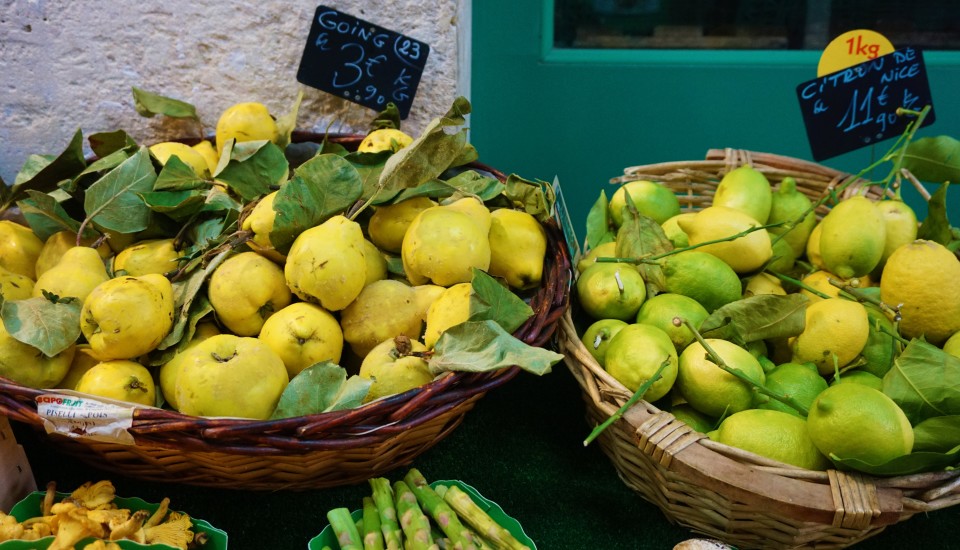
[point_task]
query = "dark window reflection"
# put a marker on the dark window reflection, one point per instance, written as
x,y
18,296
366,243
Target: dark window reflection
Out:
x,y
751,24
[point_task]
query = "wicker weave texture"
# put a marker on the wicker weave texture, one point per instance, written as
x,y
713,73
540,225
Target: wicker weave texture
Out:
x,y
732,495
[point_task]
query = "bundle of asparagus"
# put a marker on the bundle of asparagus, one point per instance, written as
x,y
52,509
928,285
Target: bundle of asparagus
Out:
x,y
412,515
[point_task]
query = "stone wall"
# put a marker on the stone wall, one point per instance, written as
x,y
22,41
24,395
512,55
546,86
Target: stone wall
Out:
x,y
69,64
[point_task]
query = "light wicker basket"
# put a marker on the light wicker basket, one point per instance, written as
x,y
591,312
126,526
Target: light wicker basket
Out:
x,y
732,495
307,452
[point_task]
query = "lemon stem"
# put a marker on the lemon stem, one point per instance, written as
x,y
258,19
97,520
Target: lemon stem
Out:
x,y
714,357
892,312
637,396
798,282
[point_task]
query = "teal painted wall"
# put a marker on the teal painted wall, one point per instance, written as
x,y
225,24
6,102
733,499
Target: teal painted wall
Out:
x,y
584,116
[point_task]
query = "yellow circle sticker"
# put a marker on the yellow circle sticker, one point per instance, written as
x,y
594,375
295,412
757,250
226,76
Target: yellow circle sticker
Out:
x,y
852,48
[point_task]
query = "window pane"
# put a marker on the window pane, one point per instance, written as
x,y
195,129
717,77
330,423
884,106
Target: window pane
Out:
x,y
750,24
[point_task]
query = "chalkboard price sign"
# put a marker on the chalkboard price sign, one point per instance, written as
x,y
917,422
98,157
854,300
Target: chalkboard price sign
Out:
x,y
857,106
361,62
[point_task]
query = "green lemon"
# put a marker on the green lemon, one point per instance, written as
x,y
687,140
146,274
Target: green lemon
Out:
x,y
598,335
813,247
634,355
661,310
952,345
900,223
852,237
693,418
784,257
605,250
792,209
703,277
611,291
773,434
671,228
799,381
745,189
712,390
652,199
857,376
855,421
714,226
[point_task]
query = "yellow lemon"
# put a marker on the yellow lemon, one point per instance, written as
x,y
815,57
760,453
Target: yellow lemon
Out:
x,y
921,278
744,254
745,189
900,223
813,248
855,421
776,435
763,283
634,355
952,345
712,390
834,334
652,199
852,237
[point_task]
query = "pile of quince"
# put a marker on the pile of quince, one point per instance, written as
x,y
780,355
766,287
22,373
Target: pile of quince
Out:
x,y
234,276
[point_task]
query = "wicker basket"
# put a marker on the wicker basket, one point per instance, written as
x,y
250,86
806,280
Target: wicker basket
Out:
x,y
736,496
308,452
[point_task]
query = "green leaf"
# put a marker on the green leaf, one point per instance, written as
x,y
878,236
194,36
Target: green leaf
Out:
x,y
149,104
254,168
534,197
369,166
599,225
48,326
40,175
388,118
177,175
938,434
757,317
179,205
934,159
287,122
106,163
913,463
322,187
490,300
430,154
924,381
199,308
113,202
106,143
321,388
46,216
640,236
32,167
936,226
218,201
482,346
184,293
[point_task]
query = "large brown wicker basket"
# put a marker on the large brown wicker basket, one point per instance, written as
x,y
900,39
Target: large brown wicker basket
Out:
x,y
308,452
736,496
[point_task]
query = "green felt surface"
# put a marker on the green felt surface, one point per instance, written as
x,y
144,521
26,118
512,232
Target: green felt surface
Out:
x,y
521,447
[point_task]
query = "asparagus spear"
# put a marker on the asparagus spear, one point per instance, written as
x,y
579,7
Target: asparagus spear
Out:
x,y
460,536
383,498
372,536
346,530
474,515
415,525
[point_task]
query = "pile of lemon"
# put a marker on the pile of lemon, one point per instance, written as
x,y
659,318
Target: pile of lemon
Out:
x,y
332,297
757,239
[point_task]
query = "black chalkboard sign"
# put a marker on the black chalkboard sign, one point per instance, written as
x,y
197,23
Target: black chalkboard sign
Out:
x,y
361,62
857,106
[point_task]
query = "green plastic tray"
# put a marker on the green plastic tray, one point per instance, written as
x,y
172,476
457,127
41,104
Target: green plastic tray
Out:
x,y
29,507
328,538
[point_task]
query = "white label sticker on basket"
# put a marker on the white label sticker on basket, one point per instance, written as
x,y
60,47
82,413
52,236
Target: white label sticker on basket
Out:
x,y
87,418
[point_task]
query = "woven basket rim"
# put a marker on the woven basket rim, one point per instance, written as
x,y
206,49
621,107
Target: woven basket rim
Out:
x,y
371,423
832,507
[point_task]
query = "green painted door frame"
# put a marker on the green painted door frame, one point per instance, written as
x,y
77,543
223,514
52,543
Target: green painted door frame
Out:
x,y
582,116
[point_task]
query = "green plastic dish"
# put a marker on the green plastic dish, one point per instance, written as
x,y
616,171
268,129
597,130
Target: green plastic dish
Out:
x,y
327,538
29,507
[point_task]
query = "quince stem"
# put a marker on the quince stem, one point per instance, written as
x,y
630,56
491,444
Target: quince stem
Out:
x,y
757,387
